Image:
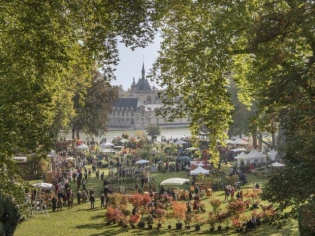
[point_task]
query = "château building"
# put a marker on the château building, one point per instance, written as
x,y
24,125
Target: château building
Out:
x,y
137,108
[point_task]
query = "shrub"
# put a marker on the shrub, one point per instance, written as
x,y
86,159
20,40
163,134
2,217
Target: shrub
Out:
x,y
215,203
179,210
236,208
9,216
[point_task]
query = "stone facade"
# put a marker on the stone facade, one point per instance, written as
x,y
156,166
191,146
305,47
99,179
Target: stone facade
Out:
x,y
137,109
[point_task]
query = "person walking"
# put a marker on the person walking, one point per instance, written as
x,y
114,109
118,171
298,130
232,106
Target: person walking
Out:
x,y
79,195
92,201
103,200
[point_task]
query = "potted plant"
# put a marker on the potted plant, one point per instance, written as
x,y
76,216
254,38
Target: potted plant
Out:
x,y
149,220
133,220
227,221
197,220
202,207
169,216
215,203
140,202
236,223
220,219
254,195
212,220
160,215
236,208
179,210
188,220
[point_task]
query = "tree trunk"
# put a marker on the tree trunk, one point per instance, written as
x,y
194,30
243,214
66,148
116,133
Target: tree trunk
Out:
x,y
273,141
73,132
78,134
255,140
260,141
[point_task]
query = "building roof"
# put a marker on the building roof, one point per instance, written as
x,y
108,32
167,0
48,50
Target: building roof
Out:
x,y
143,85
127,103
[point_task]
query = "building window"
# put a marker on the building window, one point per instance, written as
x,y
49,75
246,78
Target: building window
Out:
x,y
113,113
142,113
118,113
123,113
132,121
132,113
142,121
127,113
157,120
149,120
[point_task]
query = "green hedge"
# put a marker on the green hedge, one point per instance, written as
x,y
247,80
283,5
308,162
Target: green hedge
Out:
x,y
306,219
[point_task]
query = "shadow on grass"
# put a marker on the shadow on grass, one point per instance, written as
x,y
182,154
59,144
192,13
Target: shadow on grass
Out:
x,y
96,217
97,226
113,230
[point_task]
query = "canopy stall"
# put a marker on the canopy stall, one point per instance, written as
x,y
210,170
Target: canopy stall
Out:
x,y
240,142
83,146
238,150
142,162
20,159
107,144
192,149
197,163
277,164
42,185
180,142
174,181
256,157
199,170
241,157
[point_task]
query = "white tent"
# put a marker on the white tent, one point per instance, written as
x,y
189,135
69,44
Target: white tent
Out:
x,y
20,159
199,170
238,150
43,185
192,149
272,155
256,157
124,140
277,164
240,142
241,157
180,142
174,181
83,146
229,141
106,150
197,163
142,161
70,158
107,144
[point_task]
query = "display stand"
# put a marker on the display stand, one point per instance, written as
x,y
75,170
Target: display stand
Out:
x,y
37,204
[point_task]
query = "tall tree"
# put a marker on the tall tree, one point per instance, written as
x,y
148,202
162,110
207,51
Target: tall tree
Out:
x,y
42,44
92,113
153,130
268,46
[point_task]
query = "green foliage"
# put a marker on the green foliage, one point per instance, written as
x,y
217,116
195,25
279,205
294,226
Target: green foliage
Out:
x,y
9,216
125,135
153,130
48,50
306,219
93,109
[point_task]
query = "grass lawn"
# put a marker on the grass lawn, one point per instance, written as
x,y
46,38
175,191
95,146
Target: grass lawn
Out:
x,y
81,220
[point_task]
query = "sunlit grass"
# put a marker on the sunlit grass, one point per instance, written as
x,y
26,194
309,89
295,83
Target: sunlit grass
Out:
x,y
81,220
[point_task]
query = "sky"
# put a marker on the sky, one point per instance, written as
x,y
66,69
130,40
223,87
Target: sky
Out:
x,y
130,63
